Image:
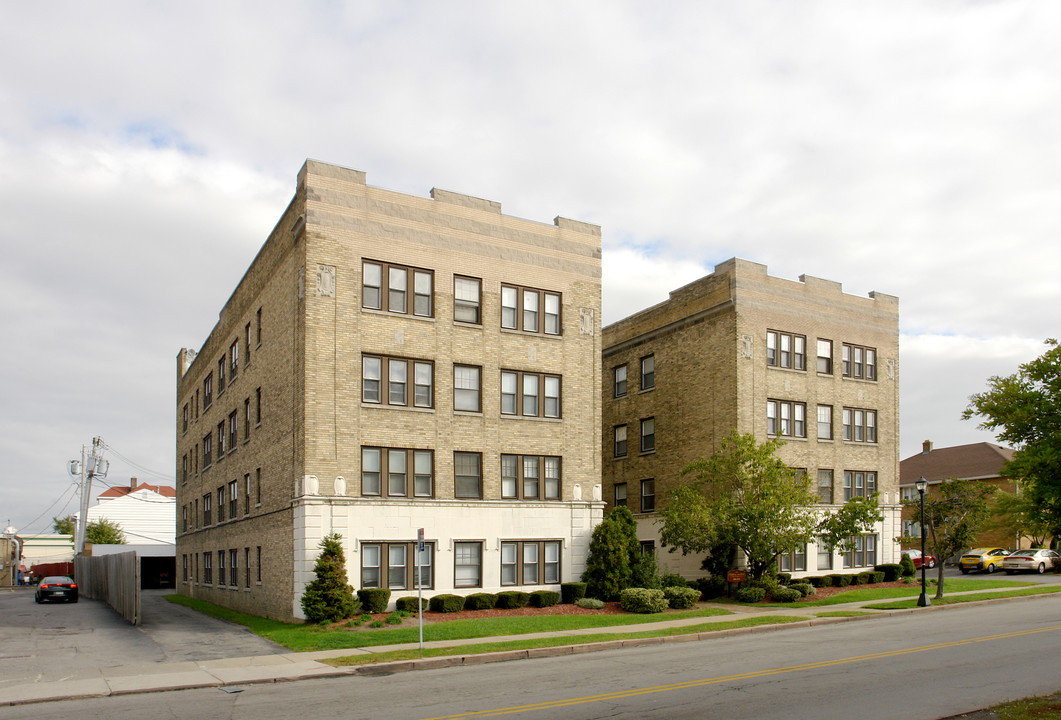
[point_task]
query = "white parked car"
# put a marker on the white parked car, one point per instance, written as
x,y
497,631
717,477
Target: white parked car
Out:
x,y
1035,560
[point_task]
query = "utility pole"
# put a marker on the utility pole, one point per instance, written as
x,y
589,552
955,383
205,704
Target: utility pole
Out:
x,y
88,467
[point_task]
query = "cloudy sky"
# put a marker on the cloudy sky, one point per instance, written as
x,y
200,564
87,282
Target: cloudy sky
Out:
x,y
147,149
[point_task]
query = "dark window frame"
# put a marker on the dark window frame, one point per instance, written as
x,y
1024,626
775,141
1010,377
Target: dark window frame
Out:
x,y
478,390
775,427
384,479
620,448
859,362
522,478
780,357
541,400
410,305
384,568
466,305
648,495
478,477
410,394
648,377
519,319
521,566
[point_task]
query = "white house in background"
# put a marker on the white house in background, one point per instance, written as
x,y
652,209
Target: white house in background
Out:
x,y
147,514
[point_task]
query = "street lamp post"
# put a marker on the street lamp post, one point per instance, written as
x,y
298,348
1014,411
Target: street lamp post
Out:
x,y
922,600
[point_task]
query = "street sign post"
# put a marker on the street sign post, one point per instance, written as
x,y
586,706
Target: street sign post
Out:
x,y
420,547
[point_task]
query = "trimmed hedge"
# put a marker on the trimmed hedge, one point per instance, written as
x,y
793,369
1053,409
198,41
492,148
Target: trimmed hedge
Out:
x,y
864,578
711,587
786,595
907,565
480,601
544,598
590,603
512,599
891,571
572,592
673,580
822,581
784,578
841,580
681,598
642,600
408,604
447,603
876,576
374,600
751,594
804,589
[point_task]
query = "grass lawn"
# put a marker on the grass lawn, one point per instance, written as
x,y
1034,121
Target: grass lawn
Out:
x,y
1040,708
844,613
863,594
300,637
956,599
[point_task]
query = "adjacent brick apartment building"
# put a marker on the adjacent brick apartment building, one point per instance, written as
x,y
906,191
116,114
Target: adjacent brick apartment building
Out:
x,y
801,361
389,363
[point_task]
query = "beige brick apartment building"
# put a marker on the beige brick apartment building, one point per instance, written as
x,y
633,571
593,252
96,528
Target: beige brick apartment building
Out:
x,y
801,361
389,363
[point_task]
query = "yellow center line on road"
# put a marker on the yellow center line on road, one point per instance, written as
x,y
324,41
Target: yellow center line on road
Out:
x,y
634,692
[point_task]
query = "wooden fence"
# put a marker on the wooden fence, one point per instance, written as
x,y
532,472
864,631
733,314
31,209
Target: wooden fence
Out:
x,y
114,579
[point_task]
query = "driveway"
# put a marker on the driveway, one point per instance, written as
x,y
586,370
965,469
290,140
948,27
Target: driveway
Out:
x,y
48,642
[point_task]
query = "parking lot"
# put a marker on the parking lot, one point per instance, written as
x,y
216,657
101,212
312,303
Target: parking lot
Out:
x,y
54,641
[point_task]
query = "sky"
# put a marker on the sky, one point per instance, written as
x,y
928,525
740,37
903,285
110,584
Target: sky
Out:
x,y
147,150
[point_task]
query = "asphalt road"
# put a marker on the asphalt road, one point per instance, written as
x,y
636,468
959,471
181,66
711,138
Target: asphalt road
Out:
x,y
925,664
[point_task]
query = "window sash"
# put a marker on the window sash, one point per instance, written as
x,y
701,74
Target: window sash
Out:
x,y
648,495
620,441
467,475
648,435
619,495
825,486
786,350
825,356
388,287
466,303
825,422
530,310
466,388
620,380
648,372
467,564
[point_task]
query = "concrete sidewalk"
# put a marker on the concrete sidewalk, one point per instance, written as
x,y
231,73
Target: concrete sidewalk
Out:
x,y
156,677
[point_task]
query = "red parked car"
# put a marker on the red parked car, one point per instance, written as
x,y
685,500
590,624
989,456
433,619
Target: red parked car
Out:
x,y
915,556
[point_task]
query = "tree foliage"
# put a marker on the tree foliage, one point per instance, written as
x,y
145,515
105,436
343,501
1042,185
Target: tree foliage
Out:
x,y
104,532
64,526
1020,516
1024,410
329,598
856,516
613,551
745,495
955,511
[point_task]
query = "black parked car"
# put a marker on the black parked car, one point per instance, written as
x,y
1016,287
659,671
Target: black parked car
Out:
x,y
56,587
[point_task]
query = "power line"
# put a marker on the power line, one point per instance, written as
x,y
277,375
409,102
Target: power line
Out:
x,y
138,466
69,489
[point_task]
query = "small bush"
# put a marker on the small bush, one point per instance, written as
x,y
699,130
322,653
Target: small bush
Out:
x,y
786,595
395,619
820,581
544,598
784,578
512,599
377,624
365,617
804,589
409,604
876,576
751,594
673,580
865,578
891,571
447,603
374,600
642,600
840,580
681,598
711,587
480,601
907,565
590,603
572,592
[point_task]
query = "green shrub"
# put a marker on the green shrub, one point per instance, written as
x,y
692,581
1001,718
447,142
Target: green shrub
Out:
x,y
395,619
804,589
365,617
544,598
446,603
512,599
613,550
890,571
751,594
642,600
480,601
377,624
329,598
876,576
865,578
572,592
907,565
375,600
766,582
784,578
409,604
681,598
786,595
673,580
590,603
820,581
840,580
711,587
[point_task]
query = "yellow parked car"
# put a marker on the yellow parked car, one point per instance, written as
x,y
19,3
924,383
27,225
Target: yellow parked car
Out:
x,y
986,559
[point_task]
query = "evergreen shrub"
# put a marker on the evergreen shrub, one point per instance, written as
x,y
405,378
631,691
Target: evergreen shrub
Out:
x,y
409,604
447,603
642,600
544,598
572,592
786,595
512,599
681,598
590,603
891,571
480,601
374,600
329,598
751,594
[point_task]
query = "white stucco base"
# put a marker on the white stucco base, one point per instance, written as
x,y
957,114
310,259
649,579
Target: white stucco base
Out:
x,y
361,520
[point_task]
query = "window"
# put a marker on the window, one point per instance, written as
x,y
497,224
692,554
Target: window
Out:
x,y
467,395
184,469
221,504
399,463
620,380
221,386
860,425
386,380
785,350
620,441
233,361
825,486
467,475
246,567
530,562
648,435
859,362
232,425
619,495
825,554
521,309
206,450
247,494
257,407
258,486
184,512
258,328
648,496
786,418
220,440
530,477
208,572
258,566
220,567
207,520
247,344
184,421
648,372
795,561
825,422
184,561
859,484
466,302
246,419
386,287
393,565
233,499
530,394
467,564
233,573
208,390
825,356
863,552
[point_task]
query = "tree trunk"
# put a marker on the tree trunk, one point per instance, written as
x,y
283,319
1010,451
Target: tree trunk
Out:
x,y
939,579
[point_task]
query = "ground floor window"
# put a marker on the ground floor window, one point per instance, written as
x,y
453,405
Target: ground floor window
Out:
x,y
393,565
530,562
795,561
208,569
825,555
467,564
863,553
